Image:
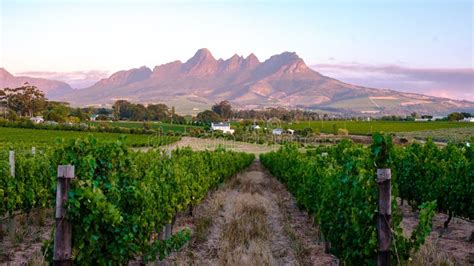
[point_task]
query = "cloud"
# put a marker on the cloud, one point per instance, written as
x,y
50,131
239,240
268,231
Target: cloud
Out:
x,y
441,82
77,79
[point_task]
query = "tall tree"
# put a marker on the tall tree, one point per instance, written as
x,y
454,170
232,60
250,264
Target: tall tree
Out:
x,y
57,112
25,100
122,109
208,116
158,112
455,116
224,109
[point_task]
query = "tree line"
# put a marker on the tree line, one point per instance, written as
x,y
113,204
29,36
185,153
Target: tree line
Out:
x,y
28,101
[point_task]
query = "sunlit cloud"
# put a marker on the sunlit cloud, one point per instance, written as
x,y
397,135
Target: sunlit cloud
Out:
x,y
440,82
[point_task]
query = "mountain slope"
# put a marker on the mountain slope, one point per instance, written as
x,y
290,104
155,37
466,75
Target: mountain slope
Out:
x,y
282,80
52,88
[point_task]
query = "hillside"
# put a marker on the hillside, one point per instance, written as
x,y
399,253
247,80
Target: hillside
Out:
x,y
52,88
282,80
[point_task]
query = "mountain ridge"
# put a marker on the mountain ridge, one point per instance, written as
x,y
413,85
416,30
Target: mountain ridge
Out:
x,y
282,80
52,88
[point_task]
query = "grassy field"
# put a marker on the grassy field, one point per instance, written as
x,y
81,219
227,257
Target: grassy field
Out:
x,y
367,127
154,125
445,135
41,138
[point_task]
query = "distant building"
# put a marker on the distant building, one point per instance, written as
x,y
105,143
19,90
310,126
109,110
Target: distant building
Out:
x,y
277,131
468,119
224,127
94,117
291,131
422,119
37,119
256,127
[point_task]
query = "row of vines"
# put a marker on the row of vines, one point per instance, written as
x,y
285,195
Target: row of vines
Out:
x,y
337,185
120,200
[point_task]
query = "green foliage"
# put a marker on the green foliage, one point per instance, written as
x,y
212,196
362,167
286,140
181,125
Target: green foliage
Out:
x,y
32,185
381,150
367,127
121,199
46,137
161,249
427,173
337,184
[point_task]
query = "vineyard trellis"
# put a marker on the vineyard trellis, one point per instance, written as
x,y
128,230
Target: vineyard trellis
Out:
x,y
337,184
120,200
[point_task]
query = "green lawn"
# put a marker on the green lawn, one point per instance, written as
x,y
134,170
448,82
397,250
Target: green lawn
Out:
x,y
154,125
366,127
41,137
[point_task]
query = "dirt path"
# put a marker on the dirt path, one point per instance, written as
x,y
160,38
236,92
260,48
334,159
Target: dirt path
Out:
x,y
252,220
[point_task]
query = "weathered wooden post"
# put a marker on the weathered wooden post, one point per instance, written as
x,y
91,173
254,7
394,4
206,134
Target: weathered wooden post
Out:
x,y
63,238
33,150
11,161
385,216
168,232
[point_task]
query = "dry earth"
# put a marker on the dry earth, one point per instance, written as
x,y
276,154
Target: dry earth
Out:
x,y
21,238
252,220
452,246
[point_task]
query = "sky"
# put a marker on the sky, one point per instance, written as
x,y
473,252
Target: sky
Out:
x,y
82,41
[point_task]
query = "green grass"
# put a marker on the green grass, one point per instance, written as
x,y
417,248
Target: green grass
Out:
x,y
465,134
366,127
41,137
154,125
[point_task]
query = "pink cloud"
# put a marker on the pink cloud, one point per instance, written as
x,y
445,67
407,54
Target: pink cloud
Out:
x,y
449,83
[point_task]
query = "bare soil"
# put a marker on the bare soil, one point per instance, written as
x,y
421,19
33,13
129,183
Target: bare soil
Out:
x,y
451,246
22,237
252,220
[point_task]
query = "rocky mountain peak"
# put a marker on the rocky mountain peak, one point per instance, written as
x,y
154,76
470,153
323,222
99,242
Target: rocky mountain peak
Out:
x,y
4,74
232,64
125,77
251,61
202,63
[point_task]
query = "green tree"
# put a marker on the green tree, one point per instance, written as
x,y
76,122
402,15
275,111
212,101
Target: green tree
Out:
x,y
58,113
455,116
139,112
208,116
158,112
26,100
466,115
122,109
80,114
224,109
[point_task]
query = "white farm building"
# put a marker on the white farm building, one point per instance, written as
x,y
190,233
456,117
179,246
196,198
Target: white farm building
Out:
x,y
37,119
224,127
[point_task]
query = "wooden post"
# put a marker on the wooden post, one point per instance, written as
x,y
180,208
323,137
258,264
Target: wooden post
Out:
x,y
63,238
33,150
11,160
168,231
162,235
385,216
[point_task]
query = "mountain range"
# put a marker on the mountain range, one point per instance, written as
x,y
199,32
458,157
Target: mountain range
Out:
x,y
52,88
282,80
